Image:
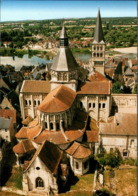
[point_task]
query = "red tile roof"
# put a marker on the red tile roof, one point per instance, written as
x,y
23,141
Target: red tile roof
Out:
x,y
92,136
96,76
27,120
23,147
95,88
8,113
50,155
22,133
124,124
58,100
35,86
33,132
34,122
79,151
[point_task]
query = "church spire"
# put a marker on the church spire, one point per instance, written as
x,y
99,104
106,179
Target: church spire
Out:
x,y
98,36
63,39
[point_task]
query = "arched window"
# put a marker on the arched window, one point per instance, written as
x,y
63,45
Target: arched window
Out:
x,y
46,125
97,47
101,54
51,125
77,165
94,47
39,182
101,48
63,124
65,77
94,54
57,126
59,76
97,54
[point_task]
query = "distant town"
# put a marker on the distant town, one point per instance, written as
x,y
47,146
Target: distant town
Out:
x,y
68,118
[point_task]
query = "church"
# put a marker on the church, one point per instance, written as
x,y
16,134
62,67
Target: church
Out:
x,y
57,139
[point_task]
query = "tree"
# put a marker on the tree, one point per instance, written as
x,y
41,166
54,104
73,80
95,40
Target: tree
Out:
x,y
112,159
135,89
117,87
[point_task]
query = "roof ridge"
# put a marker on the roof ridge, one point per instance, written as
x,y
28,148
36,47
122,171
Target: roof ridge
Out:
x,y
76,148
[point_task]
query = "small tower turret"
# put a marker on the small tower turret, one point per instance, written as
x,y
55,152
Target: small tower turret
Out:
x,y
65,69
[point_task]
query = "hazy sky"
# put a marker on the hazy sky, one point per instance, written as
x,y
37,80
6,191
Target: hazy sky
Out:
x,y
12,10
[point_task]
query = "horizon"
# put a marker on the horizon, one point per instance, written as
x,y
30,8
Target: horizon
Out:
x,y
49,10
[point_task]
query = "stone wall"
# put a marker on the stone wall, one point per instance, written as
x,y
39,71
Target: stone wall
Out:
x,y
125,103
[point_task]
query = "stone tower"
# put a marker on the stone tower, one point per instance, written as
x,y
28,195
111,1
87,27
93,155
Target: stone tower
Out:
x,y
65,69
98,47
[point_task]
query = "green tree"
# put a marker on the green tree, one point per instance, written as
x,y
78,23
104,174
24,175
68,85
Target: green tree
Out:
x,y
117,87
135,89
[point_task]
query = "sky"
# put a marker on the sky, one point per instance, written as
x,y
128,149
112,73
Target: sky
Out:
x,y
16,10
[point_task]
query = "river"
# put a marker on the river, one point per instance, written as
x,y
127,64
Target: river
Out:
x,y
35,60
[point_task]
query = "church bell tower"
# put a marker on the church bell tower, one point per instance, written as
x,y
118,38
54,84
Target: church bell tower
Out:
x,y
98,47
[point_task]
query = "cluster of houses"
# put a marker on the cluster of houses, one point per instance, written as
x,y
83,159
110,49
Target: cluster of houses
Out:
x,y
66,119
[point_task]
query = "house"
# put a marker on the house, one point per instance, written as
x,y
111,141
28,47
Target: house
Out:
x,y
7,131
120,133
41,173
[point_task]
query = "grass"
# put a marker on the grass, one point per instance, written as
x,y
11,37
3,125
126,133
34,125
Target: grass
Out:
x,y
84,183
126,181
15,179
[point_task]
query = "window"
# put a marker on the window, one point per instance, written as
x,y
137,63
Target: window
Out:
x,y
39,182
5,130
90,105
45,124
81,105
99,105
35,102
103,105
77,165
94,47
59,76
101,48
38,102
111,149
57,126
65,77
97,54
132,143
125,153
93,105
101,54
97,47
94,54
29,102
26,103
51,125
6,136
37,168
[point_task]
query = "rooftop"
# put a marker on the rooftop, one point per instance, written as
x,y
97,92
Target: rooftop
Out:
x,y
58,100
34,86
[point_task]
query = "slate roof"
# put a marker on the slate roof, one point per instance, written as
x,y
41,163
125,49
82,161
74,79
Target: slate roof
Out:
x,y
98,35
127,125
128,72
64,60
58,100
49,154
5,123
79,151
33,86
